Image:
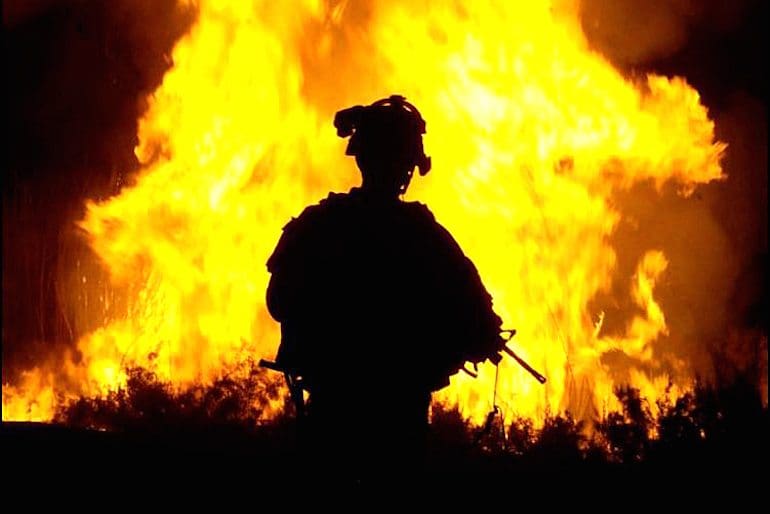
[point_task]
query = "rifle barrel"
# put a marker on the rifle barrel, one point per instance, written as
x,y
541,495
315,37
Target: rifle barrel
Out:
x,y
540,378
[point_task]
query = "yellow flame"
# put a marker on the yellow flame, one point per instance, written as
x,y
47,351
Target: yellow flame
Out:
x,y
531,134
33,399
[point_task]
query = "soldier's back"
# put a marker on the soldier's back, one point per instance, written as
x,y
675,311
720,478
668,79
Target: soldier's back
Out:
x,y
382,295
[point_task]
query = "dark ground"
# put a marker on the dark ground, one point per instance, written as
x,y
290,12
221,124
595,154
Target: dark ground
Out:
x,y
87,464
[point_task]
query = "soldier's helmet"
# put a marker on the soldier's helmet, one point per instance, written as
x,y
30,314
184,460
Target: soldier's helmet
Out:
x,y
385,138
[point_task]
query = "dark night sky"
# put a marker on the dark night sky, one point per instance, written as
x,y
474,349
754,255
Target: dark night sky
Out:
x,y
76,72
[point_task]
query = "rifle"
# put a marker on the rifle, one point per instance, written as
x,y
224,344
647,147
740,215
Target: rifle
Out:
x,y
293,381
532,371
540,378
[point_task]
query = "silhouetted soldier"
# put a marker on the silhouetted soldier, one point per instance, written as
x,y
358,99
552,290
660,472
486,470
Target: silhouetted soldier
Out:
x,y
378,305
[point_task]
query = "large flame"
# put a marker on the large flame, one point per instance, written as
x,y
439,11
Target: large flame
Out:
x,y
531,134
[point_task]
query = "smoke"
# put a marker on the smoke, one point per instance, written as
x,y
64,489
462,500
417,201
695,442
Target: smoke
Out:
x,y
635,32
715,295
76,71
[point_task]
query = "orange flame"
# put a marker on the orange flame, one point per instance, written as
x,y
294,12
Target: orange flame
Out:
x,y
530,132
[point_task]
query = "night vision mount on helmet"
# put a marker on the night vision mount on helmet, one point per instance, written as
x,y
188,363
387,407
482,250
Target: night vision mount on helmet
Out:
x,y
392,119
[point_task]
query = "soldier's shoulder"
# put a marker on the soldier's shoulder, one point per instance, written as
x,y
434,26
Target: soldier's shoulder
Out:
x,y
419,211
433,235
304,231
423,218
335,201
316,213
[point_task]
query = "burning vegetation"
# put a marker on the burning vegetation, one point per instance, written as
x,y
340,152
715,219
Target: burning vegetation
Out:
x,y
575,184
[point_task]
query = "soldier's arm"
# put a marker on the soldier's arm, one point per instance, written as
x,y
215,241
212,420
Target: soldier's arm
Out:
x,y
283,288
276,298
475,314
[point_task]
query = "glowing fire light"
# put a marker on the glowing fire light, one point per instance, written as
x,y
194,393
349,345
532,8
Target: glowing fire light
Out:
x,y
530,132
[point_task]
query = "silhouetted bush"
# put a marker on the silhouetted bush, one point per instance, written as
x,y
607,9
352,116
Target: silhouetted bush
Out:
x,y
561,442
449,427
149,405
522,436
706,428
628,432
